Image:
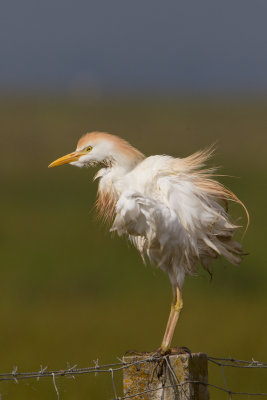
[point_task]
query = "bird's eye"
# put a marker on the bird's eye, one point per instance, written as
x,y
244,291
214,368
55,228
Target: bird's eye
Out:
x,y
89,148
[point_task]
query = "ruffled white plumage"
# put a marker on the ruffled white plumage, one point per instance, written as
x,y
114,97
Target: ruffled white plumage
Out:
x,y
171,220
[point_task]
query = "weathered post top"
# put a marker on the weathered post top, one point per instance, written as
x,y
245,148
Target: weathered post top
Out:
x,y
174,377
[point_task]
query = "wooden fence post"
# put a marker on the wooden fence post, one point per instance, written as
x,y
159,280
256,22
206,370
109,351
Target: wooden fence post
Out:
x,y
176,369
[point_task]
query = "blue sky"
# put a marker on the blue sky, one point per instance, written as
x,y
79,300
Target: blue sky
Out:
x,y
133,45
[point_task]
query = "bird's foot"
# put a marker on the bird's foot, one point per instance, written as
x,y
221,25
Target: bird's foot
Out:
x,y
179,350
138,353
160,352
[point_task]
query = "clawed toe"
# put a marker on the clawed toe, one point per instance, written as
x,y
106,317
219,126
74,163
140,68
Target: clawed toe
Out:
x,y
137,353
180,350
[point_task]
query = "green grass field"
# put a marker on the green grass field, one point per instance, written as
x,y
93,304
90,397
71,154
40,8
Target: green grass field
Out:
x,y
72,293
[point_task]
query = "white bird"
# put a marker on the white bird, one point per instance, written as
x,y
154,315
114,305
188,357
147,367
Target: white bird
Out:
x,y
170,208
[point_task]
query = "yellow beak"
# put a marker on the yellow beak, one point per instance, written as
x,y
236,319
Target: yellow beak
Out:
x,y
68,158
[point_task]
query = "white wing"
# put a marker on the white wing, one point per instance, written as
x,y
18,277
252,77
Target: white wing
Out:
x,y
151,226
174,223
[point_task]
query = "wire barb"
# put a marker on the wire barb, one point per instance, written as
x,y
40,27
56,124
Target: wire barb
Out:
x,y
41,372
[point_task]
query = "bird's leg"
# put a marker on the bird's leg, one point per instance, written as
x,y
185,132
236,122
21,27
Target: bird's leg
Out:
x,y
176,307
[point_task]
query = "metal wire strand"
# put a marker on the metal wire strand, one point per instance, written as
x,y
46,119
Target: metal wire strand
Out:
x,y
111,369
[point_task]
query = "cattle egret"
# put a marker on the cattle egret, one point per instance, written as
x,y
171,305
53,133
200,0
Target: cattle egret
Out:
x,y
171,209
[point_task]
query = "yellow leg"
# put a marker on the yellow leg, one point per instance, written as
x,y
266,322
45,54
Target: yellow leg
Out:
x,y
176,307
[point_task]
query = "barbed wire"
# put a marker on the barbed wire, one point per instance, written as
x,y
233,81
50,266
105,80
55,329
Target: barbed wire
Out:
x,y
231,362
43,372
16,376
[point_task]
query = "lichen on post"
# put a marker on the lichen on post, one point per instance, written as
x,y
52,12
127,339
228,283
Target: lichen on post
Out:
x,y
174,377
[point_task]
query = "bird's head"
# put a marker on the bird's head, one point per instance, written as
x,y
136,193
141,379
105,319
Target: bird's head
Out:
x,y
104,149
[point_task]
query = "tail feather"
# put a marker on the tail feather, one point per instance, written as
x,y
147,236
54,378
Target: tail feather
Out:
x,y
204,178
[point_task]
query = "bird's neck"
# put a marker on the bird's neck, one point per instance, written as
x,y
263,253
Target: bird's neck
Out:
x,y
109,190
111,179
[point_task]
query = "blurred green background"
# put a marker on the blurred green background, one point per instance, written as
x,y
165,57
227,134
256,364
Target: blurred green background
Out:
x,y
71,293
